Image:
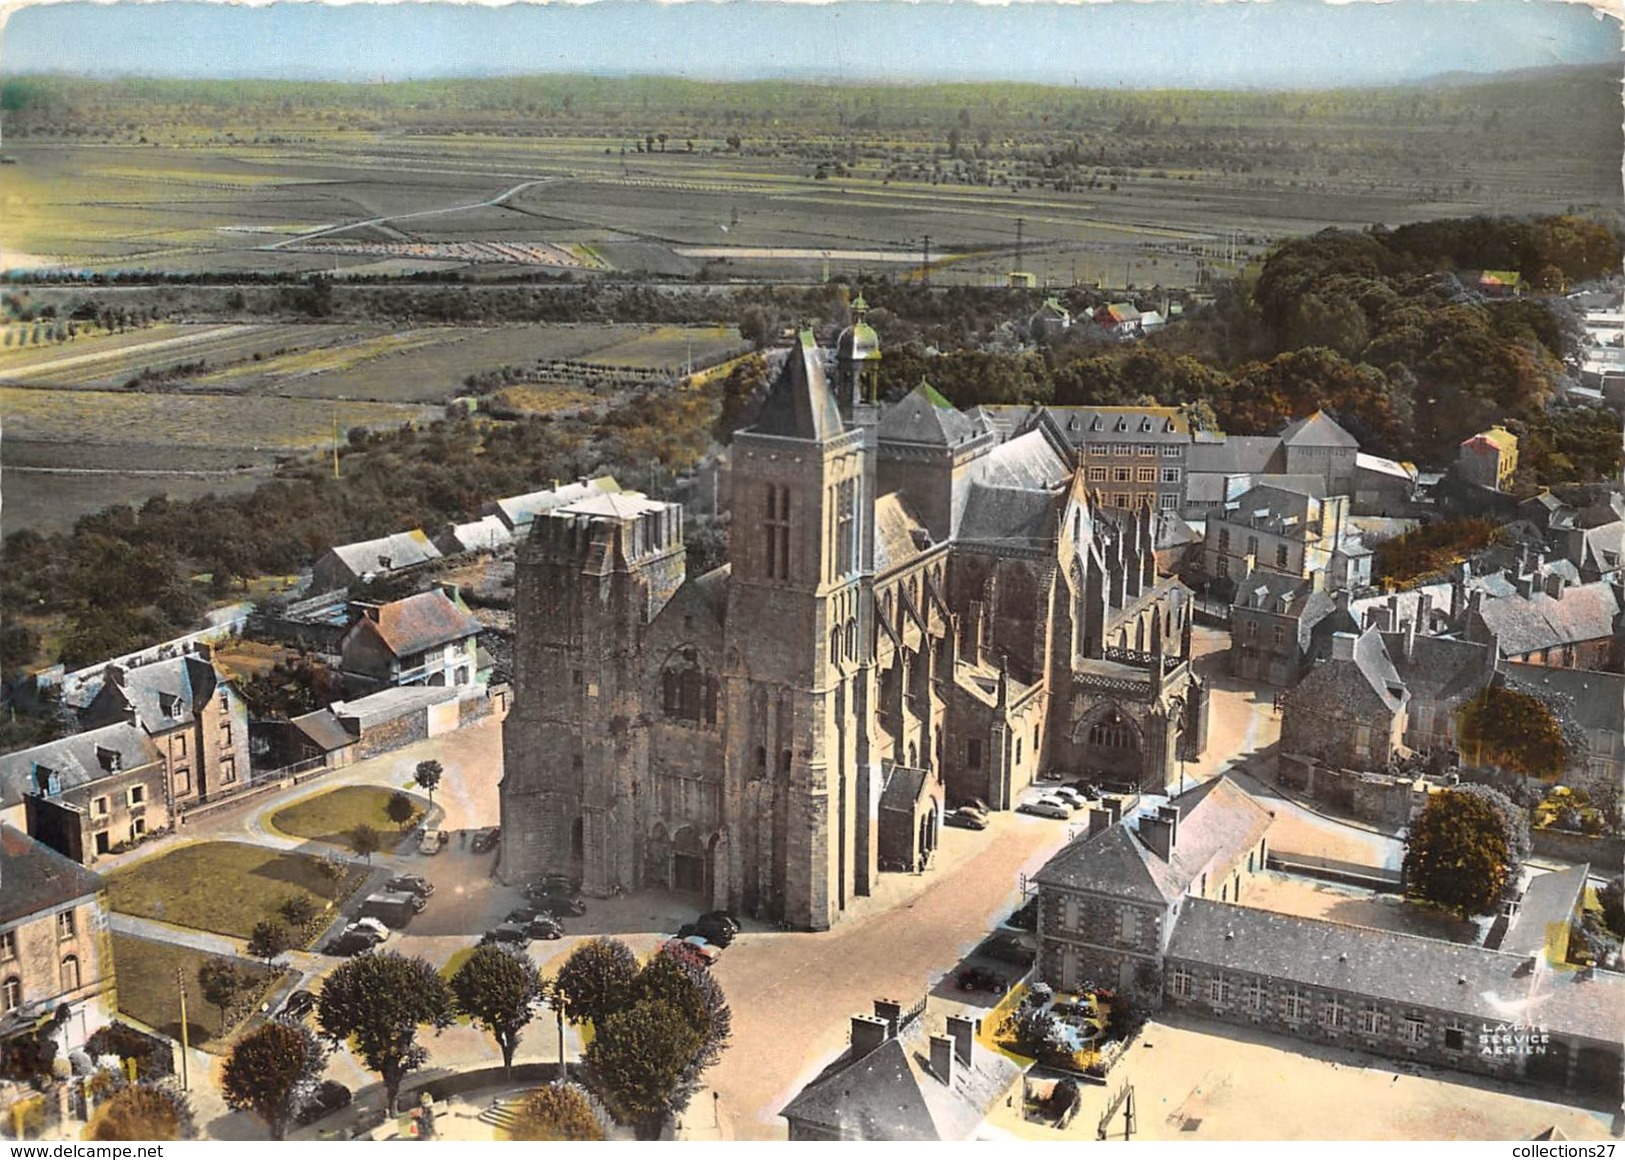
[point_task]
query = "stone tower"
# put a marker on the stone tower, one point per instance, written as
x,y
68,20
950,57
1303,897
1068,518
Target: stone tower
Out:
x,y
590,578
798,664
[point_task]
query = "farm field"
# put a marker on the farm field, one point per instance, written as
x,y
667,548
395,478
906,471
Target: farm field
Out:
x,y
109,361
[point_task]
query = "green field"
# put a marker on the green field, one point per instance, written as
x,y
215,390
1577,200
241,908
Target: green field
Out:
x,y
224,887
147,972
329,817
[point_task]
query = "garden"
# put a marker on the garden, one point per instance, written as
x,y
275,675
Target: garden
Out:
x,y
333,816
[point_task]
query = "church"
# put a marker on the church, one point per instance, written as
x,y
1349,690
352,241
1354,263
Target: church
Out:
x,y
922,607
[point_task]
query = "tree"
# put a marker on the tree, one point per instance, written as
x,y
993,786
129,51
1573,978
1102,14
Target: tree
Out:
x,y
637,1058
269,939
596,980
271,1070
428,776
297,909
221,980
688,986
1514,730
381,1000
499,989
365,840
1611,896
143,1112
400,809
556,1112
1464,850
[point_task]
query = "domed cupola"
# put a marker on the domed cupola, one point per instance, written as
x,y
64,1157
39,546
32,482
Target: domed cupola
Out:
x,y
857,358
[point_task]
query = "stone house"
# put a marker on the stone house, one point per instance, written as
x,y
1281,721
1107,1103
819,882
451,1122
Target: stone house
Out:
x,y
55,953
1547,621
1515,1017
1273,529
427,639
195,717
1351,708
1441,674
345,565
348,731
84,794
908,586
904,1079
1383,487
1280,624
1108,902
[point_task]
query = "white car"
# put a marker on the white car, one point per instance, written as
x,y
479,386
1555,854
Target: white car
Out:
x,y
1069,795
709,952
1045,808
370,926
432,841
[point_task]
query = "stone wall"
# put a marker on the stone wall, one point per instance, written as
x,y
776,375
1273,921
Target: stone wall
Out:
x,y
393,734
1605,853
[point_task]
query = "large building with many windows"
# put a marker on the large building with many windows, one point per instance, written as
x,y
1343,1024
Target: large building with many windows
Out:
x,y
921,607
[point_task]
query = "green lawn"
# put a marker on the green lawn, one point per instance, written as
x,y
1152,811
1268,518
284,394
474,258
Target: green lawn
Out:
x,y
147,989
225,887
330,816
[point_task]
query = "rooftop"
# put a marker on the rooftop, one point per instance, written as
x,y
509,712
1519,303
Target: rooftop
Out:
x,y
419,623
75,760
37,878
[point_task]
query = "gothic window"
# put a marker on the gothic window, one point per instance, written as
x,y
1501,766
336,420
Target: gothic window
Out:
x,y
1112,733
777,531
846,537
852,640
687,691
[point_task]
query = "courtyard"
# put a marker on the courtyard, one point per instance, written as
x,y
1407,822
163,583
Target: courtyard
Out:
x,y
1307,898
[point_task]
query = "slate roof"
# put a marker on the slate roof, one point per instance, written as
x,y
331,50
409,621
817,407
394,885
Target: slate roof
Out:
x,y
1372,662
482,535
390,553
1597,699
1602,550
1218,820
1441,668
76,760
1084,425
37,879
620,505
1282,595
891,1094
389,704
1525,625
903,788
1550,905
799,404
1028,460
1385,467
1402,969
924,416
1236,455
516,511
1317,430
1009,516
324,730
899,534
419,623
163,695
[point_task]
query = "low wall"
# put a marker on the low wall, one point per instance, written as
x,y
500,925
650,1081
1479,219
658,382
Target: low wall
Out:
x,y
1605,852
1334,870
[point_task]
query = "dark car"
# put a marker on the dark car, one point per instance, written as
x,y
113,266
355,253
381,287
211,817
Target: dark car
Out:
x,y
351,942
555,898
980,979
717,927
299,1004
510,933
329,1097
410,884
486,840
965,820
544,926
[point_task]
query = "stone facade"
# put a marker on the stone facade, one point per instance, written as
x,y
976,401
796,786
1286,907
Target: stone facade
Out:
x,y
909,587
1351,709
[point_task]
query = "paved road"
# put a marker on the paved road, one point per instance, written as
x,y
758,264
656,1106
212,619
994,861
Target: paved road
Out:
x,y
422,213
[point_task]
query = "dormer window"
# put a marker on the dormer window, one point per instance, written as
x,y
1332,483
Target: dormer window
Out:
x,y
169,705
1096,425
111,760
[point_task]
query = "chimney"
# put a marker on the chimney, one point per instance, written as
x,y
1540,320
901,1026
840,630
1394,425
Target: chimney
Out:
x,y
1407,630
1526,585
963,1032
1114,810
1158,834
868,1033
1554,585
114,675
890,1012
1100,821
1340,599
1424,613
942,1059
452,591
1392,623
1343,646
1475,600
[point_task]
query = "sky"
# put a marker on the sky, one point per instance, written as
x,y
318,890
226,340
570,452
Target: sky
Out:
x,y
1159,44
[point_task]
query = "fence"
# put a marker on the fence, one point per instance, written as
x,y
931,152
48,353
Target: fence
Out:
x,y
260,784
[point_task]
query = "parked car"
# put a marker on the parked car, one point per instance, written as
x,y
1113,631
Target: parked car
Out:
x,y
696,946
298,1005
980,979
393,908
350,942
544,926
714,926
556,897
1069,795
510,933
410,884
432,841
485,840
375,925
965,819
1044,809
1053,800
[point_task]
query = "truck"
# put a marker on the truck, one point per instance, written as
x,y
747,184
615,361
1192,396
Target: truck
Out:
x,y
392,908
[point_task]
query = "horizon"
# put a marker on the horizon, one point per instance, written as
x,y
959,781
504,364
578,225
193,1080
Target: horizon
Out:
x,y
1166,44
